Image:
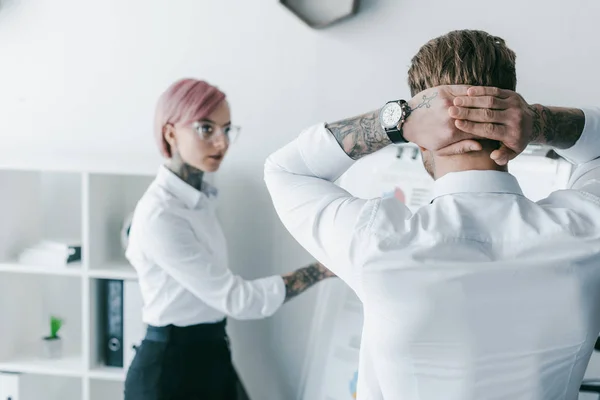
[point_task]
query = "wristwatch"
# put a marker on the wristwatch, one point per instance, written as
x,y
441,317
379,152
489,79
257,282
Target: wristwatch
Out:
x,y
392,117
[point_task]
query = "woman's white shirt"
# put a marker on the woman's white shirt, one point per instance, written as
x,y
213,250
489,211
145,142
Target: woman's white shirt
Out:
x,y
178,249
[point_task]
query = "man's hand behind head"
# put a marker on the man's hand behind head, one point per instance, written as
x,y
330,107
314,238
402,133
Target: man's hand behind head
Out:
x,y
430,125
496,114
450,120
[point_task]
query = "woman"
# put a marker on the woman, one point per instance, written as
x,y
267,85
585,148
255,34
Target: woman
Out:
x,y
178,249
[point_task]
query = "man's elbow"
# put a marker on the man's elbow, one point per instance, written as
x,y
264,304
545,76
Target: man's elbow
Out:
x,y
271,171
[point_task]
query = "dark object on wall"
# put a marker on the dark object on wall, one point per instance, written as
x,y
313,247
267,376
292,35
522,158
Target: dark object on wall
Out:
x,y
321,13
112,322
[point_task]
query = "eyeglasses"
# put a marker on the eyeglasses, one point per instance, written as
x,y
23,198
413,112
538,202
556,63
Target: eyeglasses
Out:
x,y
210,131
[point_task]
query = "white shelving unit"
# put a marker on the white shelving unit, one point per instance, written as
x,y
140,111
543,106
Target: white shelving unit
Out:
x,y
69,197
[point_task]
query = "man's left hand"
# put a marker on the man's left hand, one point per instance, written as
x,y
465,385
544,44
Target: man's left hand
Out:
x,y
430,126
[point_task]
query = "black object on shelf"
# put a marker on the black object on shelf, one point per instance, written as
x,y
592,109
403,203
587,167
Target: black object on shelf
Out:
x,y
112,322
591,385
74,254
322,13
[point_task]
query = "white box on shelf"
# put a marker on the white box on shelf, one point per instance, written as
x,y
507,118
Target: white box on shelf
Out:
x,y
52,253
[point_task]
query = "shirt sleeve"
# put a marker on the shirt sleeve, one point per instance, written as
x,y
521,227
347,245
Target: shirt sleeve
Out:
x,y
586,154
321,216
189,262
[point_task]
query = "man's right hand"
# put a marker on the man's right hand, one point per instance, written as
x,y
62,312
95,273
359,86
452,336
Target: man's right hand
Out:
x,y
498,114
505,116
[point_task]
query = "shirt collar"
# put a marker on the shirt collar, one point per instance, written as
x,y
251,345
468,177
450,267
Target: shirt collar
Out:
x,y
190,196
476,182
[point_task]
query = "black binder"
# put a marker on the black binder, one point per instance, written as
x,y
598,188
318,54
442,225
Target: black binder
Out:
x,y
112,322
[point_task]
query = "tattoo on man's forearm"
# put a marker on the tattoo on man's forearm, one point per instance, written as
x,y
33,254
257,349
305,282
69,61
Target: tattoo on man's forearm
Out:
x,y
190,175
426,102
557,127
361,135
301,280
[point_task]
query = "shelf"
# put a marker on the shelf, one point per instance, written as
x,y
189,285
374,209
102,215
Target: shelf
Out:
x,y
117,164
66,366
15,267
116,270
103,390
105,373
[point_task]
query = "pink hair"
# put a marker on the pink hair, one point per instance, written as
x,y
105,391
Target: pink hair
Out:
x,y
185,101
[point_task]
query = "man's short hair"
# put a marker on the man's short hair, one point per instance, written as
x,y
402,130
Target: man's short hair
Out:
x,y
466,57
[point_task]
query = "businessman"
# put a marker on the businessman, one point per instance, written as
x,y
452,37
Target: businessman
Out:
x,y
482,293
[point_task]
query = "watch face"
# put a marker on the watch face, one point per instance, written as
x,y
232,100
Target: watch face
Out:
x,y
391,114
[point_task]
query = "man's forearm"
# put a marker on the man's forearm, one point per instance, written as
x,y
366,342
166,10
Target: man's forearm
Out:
x,y
557,127
302,279
360,136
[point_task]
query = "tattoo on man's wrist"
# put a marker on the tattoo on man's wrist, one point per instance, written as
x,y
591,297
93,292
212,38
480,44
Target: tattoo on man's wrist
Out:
x,y
536,129
361,135
557,127
302,279
425,102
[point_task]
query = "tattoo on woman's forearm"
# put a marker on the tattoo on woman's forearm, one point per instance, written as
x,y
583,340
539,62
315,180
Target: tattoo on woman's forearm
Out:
x,y
302,279
557,127
361,135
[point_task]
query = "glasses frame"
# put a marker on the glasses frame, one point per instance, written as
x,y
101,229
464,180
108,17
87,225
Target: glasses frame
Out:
x,y
197,125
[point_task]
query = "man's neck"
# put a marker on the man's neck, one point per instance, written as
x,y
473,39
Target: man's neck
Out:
x,y
190,175
466,162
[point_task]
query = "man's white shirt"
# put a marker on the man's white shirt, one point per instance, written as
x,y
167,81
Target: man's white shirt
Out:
x,y
480,294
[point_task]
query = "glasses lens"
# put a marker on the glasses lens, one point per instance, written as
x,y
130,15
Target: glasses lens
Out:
x,y
205,130
232,132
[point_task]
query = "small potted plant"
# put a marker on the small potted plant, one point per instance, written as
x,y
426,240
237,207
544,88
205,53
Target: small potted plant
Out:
x,y
53,343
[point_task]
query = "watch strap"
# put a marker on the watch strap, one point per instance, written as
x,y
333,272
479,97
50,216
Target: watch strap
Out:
x,y
395,135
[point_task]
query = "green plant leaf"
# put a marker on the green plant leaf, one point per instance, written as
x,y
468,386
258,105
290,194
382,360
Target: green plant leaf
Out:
x,y
55,325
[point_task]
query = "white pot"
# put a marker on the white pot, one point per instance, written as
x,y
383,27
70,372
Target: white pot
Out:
x,y
52,347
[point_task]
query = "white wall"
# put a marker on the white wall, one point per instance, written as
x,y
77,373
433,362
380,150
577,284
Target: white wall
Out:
x,y
84,75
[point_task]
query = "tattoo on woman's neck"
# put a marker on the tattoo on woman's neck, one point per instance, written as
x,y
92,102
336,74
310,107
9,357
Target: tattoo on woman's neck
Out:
x,y
190,175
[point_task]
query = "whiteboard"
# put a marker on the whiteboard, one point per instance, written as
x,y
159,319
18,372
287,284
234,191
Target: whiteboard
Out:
x,y
331,366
